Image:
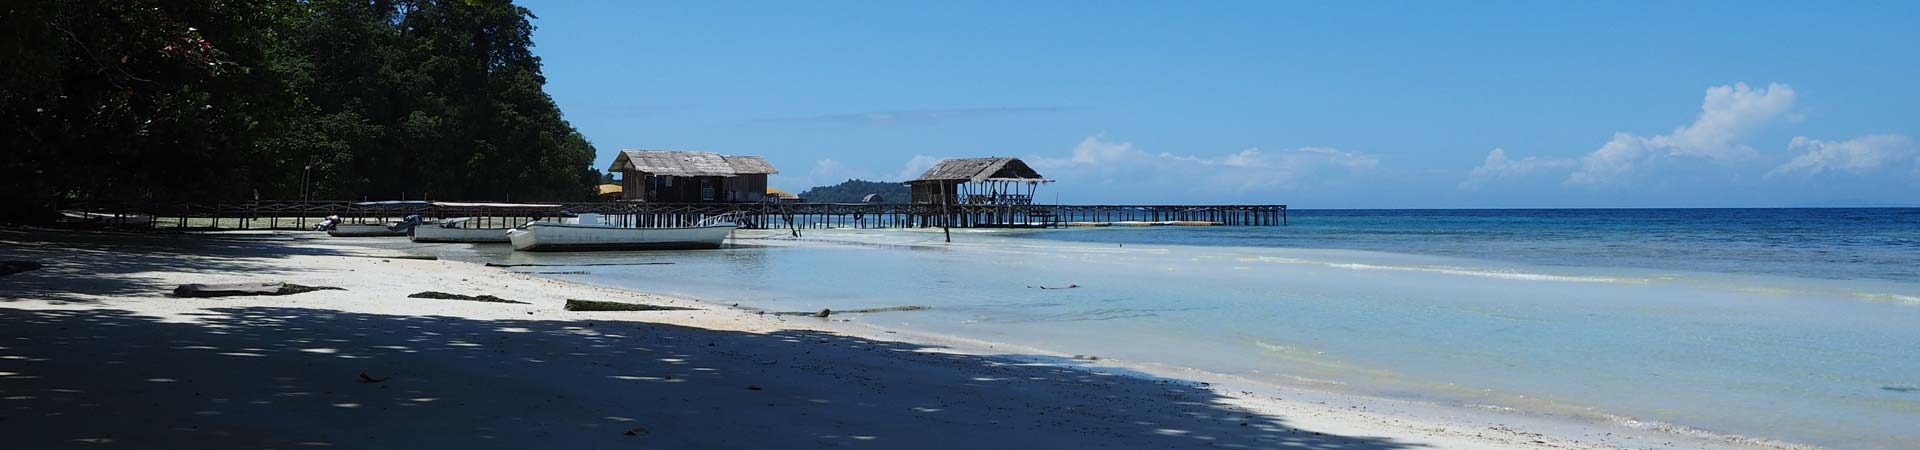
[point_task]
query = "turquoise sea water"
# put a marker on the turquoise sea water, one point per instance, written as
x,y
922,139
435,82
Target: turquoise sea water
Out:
x,y
1796,325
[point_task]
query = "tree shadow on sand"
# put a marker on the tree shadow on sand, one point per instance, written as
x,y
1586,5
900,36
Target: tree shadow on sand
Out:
x,y
270,377
111,262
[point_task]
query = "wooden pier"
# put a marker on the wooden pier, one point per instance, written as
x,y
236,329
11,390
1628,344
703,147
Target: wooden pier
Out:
x,y
301,215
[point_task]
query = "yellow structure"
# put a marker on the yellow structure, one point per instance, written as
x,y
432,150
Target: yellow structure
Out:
x,y
610,191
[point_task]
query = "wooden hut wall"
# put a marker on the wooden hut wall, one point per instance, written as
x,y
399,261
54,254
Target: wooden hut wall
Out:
x,y
633,185
746,188
931,192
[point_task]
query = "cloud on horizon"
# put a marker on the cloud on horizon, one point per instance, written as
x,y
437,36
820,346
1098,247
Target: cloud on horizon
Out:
x,y
1858,156
1098,161
1706,155
1728,114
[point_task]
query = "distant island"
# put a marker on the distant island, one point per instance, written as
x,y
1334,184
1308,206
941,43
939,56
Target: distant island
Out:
x,y
855,191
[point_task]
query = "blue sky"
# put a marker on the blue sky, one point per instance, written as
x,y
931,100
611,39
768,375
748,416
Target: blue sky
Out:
x,y
1324,104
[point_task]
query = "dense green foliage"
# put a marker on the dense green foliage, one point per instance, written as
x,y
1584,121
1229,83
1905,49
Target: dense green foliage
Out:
x,y
852,191
146,100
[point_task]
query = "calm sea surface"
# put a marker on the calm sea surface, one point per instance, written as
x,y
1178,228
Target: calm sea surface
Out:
x,y
1801,325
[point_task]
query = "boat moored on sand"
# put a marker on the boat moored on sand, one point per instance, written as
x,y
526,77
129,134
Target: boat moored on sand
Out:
x,y
370,219
487,222
594,234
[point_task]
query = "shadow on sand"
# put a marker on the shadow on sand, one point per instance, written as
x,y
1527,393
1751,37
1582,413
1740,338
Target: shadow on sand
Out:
x,y
112,262
270,377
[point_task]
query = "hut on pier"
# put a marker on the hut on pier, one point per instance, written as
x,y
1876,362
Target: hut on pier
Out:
x,y
673,176
978,181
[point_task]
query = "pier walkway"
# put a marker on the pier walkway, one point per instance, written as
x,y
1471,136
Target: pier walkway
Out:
x,y
298,214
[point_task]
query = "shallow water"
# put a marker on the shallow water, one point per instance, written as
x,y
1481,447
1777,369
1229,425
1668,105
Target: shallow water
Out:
x,y
1697,326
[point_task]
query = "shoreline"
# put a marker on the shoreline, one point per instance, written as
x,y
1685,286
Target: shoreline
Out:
x,y
1265,414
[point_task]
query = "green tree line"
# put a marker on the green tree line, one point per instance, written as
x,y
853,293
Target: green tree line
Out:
x,y
155,100
853,191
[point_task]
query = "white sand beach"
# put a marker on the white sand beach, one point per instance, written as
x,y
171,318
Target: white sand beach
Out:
x,y
96,353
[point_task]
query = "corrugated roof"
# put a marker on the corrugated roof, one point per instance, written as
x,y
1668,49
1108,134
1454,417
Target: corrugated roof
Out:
x,y
691,163
981,169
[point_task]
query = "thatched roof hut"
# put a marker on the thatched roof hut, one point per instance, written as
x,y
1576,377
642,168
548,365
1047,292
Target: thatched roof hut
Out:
x,y
981,169
989,181
691,176
679,163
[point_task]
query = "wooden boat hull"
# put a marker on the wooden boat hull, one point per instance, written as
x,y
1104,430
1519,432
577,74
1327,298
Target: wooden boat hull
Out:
x,y
363,230
429,233
107,218
543,236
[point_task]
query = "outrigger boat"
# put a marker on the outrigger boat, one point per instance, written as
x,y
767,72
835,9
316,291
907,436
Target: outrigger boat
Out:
x,y
593,233
488,224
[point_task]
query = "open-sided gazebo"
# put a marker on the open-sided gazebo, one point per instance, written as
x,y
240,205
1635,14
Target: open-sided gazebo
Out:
x,y
978,181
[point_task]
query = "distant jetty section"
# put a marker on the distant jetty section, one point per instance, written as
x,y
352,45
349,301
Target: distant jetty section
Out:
x,y
679,188
758,215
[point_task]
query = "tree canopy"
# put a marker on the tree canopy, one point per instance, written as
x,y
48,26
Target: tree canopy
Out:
x,y
144,100
853,191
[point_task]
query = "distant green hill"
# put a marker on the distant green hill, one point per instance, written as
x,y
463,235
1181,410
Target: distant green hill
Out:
x,y
853,191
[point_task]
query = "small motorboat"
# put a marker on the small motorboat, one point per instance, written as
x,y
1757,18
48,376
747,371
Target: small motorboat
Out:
x,y
360,212
595,234
487,222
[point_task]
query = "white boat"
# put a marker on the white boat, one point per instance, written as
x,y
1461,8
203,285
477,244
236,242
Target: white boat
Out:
x,y
115,219
483,222
365,229
597,235
456,230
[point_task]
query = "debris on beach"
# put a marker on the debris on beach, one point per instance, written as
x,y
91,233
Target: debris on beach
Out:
x,y
580,264
13,267
364,378
597,305
475,298
244,289
824,312
386,257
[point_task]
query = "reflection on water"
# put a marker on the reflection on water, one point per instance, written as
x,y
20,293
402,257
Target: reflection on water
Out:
x,y
1698,349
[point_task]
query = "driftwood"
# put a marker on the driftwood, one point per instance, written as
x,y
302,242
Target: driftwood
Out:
x,y
471,298
13,267
597,305
581,264
418,257
823,313
245,289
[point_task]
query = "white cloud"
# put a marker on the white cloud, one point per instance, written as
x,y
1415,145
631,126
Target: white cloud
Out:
x,y
1855,156
1094,151
1096,158
1612,161
916,166
1728,114
1499,167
